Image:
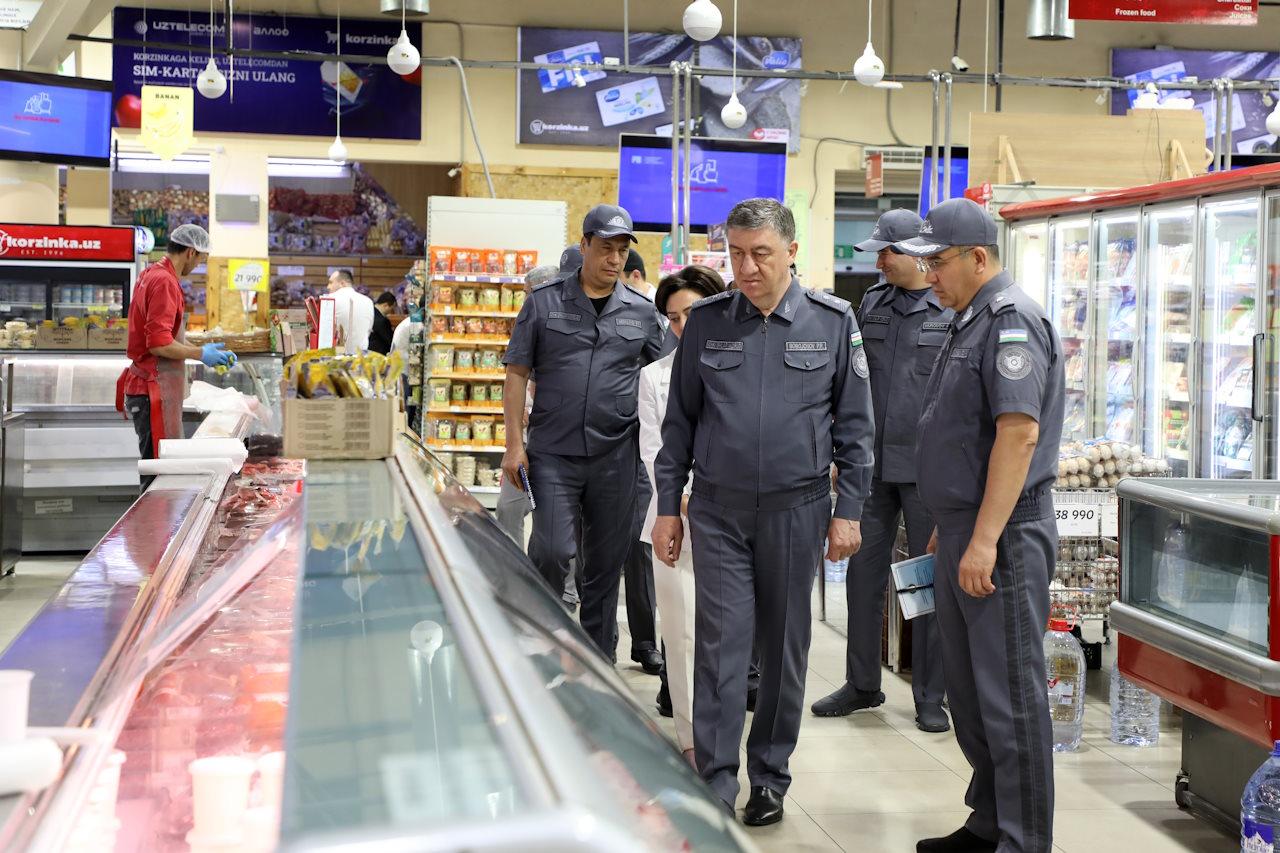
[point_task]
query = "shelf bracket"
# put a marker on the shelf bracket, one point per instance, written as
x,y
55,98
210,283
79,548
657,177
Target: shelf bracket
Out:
x,y
1176,161
1007,163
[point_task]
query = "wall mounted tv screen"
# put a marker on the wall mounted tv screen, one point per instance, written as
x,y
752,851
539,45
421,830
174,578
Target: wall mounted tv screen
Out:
x,y
48,118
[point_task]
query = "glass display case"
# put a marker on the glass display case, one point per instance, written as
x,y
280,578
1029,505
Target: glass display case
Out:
x,y
1169,320
1115,292
1070,311
1028,258
34,294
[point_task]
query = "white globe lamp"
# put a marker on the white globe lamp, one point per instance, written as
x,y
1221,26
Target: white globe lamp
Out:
x,y
338,151
403,57
702,20
869,69
211,83
734,114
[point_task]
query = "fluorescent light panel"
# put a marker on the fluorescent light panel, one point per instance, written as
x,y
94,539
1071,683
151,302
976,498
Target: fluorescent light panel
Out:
x,y
198,164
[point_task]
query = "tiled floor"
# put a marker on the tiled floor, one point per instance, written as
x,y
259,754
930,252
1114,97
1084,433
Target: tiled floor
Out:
x,y
23,593
873,782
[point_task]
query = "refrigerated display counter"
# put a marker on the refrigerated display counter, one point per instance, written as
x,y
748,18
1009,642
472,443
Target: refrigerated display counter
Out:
x,y
1199,623
373,623
79,456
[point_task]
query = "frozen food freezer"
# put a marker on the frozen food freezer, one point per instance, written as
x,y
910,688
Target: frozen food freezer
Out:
x,y
1166,299
372,622
1199,623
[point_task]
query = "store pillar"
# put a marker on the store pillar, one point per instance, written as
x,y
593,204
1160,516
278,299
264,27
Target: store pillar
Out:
x,y
88,197
29,193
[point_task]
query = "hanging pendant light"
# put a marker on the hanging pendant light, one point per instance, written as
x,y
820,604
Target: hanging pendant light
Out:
x,y
338,151
403,57
211,83
1273,119
869,69
702,20
734,114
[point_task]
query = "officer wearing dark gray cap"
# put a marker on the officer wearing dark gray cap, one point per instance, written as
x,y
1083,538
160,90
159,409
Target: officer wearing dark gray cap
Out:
x,y
987,456
769,387
570,260
903,327
583,338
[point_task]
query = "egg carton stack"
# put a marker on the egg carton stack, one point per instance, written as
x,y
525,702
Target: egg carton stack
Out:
x,y
1100,464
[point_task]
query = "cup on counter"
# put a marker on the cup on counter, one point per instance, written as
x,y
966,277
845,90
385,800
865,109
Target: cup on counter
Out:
x,y
220,795
271,780
15,695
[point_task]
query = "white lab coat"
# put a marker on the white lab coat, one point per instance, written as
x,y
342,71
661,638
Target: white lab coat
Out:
x,y
353,314
674,586
401,337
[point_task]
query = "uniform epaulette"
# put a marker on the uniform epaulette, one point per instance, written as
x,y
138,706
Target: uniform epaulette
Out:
x,y
879,285
1002,302
728,294
547,284
835,303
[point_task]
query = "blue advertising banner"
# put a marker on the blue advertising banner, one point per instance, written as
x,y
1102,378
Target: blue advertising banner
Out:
x,y
564,107
1248,111
278,96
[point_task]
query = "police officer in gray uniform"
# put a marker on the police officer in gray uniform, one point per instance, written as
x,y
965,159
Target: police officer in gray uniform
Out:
x,y
903,327
769,386
583,339
987,456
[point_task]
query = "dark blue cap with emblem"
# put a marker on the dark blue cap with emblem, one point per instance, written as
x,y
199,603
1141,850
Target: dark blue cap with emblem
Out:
x,y
892,227
954,222
570,259
608,220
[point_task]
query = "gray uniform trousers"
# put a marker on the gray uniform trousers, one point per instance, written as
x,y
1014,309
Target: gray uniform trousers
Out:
x,y
864,591
753,572
637,576
993,652
594,496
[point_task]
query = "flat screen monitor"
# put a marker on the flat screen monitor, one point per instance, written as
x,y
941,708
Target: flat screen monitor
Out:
x,y
959,174
723,172
48,118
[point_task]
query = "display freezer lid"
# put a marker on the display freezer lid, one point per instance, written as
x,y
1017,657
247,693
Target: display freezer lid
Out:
x,y
1252,504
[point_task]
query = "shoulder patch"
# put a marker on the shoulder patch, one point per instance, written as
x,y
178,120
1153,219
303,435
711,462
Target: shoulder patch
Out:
x,y
547,284
835,303
719,297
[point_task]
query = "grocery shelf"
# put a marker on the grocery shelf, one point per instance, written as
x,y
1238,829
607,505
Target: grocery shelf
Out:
x,y
450,311
467,448
464,410
476,278
478,377
472,340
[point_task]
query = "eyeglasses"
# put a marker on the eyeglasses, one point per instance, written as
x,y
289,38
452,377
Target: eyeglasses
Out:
x,y
935,264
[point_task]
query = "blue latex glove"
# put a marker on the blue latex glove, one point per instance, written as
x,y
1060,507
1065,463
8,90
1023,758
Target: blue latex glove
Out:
x,y
215,355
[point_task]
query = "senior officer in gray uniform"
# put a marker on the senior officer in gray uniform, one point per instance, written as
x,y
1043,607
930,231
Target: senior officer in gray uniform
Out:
x,y
583,338
987,456
903,328
769,386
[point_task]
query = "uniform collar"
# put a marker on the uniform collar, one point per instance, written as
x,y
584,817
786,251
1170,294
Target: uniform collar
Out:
x,y
786,309
992,291
917,305
622,295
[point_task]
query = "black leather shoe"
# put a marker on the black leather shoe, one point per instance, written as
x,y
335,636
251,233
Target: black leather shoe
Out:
x,y
960,841
931,718
764,807
846,700
650,660
664,702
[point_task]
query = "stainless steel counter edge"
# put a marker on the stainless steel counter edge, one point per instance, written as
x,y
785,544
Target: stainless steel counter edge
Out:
x,y
1180,495
1251,670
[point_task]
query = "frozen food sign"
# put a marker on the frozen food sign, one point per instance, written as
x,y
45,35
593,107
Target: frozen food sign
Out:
x,y
58,243
1240,12
589,106
269,95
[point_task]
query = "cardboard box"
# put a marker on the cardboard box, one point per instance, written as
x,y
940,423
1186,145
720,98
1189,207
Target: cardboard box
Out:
x,y
340,429
61,337
115,338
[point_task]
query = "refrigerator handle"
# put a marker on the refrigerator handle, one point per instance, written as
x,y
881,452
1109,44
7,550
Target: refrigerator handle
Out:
x,y
1259,379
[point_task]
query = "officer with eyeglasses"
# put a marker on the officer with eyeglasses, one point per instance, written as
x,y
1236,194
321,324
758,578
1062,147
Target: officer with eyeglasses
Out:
x,y
985,461
903,329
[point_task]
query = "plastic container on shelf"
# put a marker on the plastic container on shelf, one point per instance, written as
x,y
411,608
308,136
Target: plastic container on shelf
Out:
x,y
458,393
441,357
479,394
1260,807
464,359
462,431
500,433
482,429
1135,713
439,391
1065,668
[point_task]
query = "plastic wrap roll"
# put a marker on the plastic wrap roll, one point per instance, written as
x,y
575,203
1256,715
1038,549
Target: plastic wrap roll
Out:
x,y
205,448
28,765
161,467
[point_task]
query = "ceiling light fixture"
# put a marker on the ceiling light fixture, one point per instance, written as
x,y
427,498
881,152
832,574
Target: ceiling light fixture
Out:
x,y
403,57
211,83
868,70
702,20
734,114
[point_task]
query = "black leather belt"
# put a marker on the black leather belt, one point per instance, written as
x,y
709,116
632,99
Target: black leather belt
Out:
x,y
744,499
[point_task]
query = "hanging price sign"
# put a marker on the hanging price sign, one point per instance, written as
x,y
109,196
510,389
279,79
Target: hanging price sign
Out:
x,y
1077,513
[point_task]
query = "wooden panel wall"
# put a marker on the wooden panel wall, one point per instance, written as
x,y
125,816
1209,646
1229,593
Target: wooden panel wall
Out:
x,y
410,184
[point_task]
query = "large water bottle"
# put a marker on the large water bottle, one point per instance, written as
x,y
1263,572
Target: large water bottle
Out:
x,y
1260,807
1135,713
1171,577
1064,663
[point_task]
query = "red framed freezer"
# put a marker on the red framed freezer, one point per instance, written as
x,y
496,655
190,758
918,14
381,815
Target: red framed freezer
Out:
x,y
53,272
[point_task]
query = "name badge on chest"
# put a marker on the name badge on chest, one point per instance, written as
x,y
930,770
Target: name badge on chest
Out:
x,y
962,352
883,319
561,315
806,346
726,346
937,326
626,321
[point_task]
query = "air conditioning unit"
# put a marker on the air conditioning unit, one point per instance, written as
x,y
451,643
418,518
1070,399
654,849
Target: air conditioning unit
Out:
x,y
896,157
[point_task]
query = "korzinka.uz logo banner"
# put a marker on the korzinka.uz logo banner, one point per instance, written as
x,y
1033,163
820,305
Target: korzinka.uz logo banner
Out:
x,y
8,242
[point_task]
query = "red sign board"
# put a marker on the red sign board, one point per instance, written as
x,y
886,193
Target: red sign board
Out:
x,y
65,243
875,175
1238,12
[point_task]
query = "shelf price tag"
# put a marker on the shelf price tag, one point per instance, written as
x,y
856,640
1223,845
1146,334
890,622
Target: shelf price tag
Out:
x,y
1076,514
1109,518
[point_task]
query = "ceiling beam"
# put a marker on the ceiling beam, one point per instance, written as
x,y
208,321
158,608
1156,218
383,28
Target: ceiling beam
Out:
x,y
46,37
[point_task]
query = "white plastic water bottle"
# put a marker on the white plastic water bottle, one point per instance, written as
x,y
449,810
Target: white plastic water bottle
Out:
x,y
1171,577
1260,807
1135,713
1065,665
836,572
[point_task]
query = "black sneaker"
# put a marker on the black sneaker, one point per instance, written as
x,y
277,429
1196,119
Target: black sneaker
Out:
x,y
664,701
846,700
931,718
960,841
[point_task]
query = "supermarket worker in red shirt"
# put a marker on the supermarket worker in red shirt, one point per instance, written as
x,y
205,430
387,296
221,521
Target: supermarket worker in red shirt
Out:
x,y
153,386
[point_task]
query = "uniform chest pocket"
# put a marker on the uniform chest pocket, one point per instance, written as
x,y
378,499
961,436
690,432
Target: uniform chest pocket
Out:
x,y
564,325
875,338
806,377
628,339
721,369
928,346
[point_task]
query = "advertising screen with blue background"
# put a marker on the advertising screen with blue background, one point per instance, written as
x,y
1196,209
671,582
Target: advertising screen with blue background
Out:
x,y
959,175
56,121
723,172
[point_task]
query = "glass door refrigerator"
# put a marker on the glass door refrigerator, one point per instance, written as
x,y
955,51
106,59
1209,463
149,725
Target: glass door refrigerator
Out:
x,y
1028,250
1115,301
1168,334
1268,376
52,272
1069,309
1230,339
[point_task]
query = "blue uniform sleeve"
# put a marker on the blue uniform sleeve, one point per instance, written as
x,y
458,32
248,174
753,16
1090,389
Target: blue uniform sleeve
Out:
x,y
1015,364
653,349
684,405
853,428
524,337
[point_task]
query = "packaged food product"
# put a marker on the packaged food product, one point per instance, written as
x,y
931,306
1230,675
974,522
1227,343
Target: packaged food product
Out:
x,y
458,325
444,294
479,394
462,431
504,298
490,297
510,263
493,261
441,259
495,393
517,300
458,395
464,359
526,259
500,432
475,326
489,327
464,468
439,325
462,260
489,360
505,327
444,429
467,297
441,358
482,429
439,391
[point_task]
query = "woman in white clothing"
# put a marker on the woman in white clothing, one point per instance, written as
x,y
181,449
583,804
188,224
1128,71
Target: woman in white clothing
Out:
x,y
673,586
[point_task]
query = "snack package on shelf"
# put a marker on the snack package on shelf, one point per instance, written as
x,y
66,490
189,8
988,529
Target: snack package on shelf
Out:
x,y
1101,463
320,374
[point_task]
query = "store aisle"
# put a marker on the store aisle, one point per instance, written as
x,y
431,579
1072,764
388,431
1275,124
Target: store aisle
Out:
x,y
874,783
23,593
